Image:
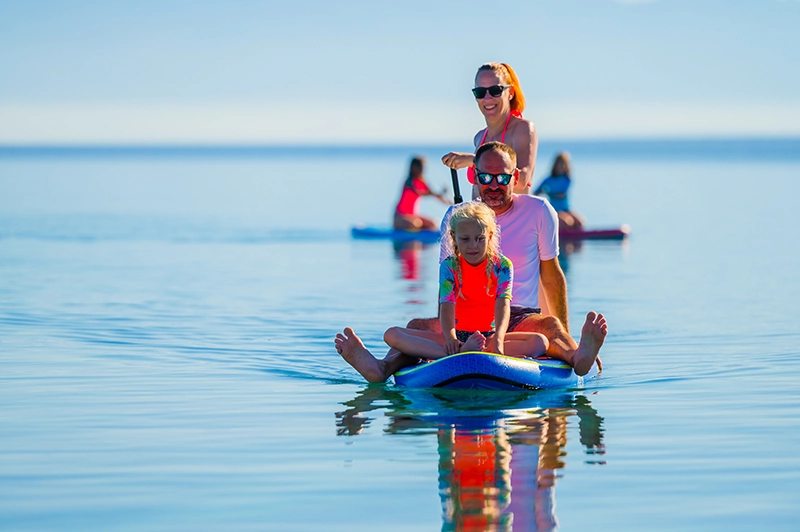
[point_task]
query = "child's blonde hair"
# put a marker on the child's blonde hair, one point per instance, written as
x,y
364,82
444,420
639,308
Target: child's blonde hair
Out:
x,y
484,216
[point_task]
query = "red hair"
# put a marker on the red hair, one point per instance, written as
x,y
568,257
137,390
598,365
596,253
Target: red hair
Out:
x,y
505,72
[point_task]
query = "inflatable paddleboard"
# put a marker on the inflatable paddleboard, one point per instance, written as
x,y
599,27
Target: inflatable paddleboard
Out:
x,y
388,233
617,233
393,234
490,371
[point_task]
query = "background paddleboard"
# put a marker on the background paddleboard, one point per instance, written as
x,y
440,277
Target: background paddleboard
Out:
x,y
616,233
389,233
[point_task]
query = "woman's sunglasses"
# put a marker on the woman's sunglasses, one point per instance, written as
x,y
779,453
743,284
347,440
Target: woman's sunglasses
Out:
x,y
494,91
486,179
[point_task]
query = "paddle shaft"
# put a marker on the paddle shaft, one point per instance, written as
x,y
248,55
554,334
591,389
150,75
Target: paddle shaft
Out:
x,y
456,190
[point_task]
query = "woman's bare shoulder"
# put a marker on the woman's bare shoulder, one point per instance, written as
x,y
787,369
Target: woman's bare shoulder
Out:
x,y
476,140
521,126
523,134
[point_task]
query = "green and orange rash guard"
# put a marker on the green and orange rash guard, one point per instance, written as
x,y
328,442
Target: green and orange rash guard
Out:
x,y
478,292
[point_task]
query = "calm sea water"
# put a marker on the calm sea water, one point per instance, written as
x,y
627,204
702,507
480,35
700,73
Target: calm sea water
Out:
x,y
166,356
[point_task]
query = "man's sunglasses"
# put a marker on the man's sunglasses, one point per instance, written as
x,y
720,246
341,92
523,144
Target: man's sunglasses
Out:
x,y
494,91
486,178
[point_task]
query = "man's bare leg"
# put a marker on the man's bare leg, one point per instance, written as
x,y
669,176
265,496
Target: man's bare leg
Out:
x,y
424,344
356,354
563,346
395,360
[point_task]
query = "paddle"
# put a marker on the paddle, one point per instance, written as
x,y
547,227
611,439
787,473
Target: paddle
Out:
x,y
456,191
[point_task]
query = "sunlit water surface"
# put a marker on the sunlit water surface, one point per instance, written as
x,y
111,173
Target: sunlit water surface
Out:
x,y
166,356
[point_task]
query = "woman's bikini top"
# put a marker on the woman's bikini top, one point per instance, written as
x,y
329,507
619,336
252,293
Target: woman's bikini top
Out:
x,y
471,170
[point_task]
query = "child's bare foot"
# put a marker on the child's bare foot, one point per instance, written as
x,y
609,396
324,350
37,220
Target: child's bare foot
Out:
x,y
593,334
475,342
356,354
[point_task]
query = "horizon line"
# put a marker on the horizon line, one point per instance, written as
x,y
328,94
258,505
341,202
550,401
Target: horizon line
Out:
x,y
388,144
781,148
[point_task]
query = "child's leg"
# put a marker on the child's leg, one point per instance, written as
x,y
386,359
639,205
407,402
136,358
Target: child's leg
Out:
x,y
412,342
525,344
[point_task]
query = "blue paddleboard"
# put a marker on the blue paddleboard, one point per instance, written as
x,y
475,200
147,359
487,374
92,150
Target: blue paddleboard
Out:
x,y
490,371
393,234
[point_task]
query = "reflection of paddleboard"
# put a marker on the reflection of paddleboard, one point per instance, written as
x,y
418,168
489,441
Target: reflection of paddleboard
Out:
x,y
617,233
489,371
393,234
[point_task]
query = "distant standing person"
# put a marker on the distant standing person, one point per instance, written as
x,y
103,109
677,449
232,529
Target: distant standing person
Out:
x,y
556,187
414,187
499,96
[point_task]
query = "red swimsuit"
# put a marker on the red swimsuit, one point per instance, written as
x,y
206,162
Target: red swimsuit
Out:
x,y
471,170
410,196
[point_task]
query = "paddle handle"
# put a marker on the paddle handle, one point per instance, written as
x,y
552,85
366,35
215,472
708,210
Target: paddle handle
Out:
x,y
456,190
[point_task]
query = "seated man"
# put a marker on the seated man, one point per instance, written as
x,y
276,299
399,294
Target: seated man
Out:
x,y
529,237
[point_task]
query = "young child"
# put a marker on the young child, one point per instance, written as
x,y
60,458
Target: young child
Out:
x,y
474,296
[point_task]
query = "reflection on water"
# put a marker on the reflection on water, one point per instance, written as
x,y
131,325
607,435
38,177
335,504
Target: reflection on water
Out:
x,y
566,249
409,258
500,455
408,254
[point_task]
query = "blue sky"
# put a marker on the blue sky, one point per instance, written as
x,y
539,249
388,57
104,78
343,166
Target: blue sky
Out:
x,y
388,72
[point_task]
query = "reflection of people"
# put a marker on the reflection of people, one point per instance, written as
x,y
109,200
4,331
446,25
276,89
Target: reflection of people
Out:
x,y
475,480
414,187
530,240
556,187
407,252
500,100
474,296
494,474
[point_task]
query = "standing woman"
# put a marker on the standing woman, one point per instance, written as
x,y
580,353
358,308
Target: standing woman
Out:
x,y
500,100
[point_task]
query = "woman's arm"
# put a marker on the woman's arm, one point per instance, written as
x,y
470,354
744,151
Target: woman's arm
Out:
x,y
424,189
459,159
525,142
540,189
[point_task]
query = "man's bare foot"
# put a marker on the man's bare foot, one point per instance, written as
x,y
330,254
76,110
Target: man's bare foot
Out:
x,y
593,334
475,342
356,354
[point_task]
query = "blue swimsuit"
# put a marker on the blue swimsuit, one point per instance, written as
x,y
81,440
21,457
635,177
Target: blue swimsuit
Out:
x,y
556,187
